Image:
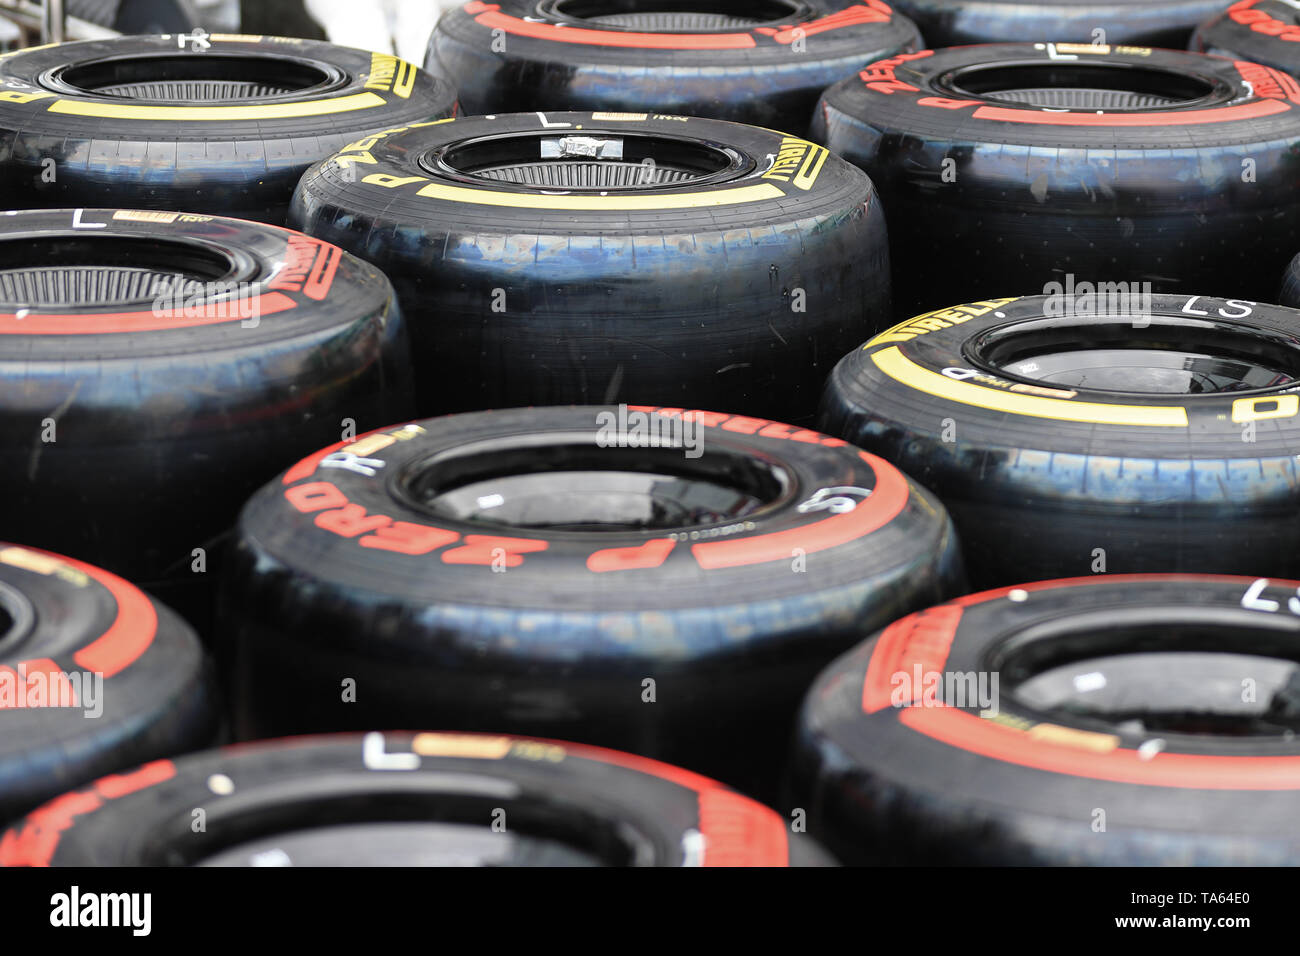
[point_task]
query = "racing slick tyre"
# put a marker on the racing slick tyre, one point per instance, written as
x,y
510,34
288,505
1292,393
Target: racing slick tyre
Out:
x,y
1163,23
1005,167
580,258
156,368
216,124
1261,31
544,571
1119,733
763,62
403,799
1065,444
77,642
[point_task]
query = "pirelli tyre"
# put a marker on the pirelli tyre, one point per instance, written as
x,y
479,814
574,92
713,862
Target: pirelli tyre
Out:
x,y
1131,720
408,799
95,677
578,258
543,571
1262,31
1163,23
156,368
1157,437
217,124
763,62
1009,166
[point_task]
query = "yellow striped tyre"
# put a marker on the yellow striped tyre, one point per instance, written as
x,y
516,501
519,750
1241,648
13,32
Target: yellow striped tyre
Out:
x,y
594,257
1092,430
206,123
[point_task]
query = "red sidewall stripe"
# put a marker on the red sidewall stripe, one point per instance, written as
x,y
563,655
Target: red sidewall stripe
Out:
x,y
927,636
117,322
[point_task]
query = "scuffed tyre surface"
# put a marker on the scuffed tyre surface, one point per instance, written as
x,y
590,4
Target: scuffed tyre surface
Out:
x,y
1069,444
402,799
156,368
1008,166
530,571
1122,734
1261,31
579,258
763,63
224,125
95,677
1164,23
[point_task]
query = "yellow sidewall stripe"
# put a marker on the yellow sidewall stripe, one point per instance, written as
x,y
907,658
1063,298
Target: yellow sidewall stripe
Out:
x,y
717,197
267,111
902,369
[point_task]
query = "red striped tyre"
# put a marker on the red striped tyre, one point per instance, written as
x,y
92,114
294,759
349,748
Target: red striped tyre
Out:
x,y
1134,720
402,799
764,62
157,367
95,677
543,571
1007,167
1262,31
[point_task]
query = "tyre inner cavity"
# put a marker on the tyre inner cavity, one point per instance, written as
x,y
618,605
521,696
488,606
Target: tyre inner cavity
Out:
x,y
106,272
1148,357
408,843
194,79
586,489
1076,86
582,160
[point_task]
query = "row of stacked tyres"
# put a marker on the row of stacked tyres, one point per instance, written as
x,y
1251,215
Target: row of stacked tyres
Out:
x,y
750,525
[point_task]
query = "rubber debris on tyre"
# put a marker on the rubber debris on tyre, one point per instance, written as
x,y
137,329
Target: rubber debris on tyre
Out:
x,y
1159,437
579,258
95,677
1008,166
156,368
1118,720
1261,31
1162,23
212,123
659,581
404,799
763,62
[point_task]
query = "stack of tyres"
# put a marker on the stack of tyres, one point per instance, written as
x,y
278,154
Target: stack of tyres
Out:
x,y
666,582
155,368
763,62
580,258
1007,167
215,124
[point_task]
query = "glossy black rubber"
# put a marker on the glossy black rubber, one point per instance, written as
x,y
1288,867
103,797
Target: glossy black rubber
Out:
x,y
450,800
890,779
154,696
611,602
730,287
134,427
1262,31
1008,166
1045,479
220,125
763,63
